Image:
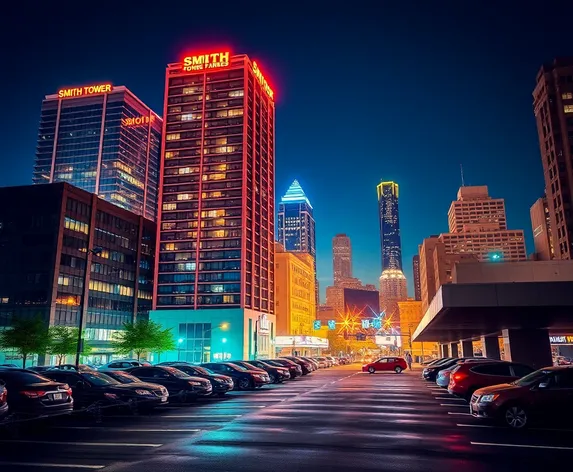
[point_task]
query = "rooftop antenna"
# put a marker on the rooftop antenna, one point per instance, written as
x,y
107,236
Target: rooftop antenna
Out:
x,y
462,174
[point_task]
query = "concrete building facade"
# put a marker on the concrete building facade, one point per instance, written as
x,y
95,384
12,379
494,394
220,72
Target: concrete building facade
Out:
x,y
541,227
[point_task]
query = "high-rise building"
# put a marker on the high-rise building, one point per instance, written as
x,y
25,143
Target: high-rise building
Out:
x,y
216,229
553,108
416,274
296,222
102,139
389,225
341,258
46,242
295,292
478,232
541,226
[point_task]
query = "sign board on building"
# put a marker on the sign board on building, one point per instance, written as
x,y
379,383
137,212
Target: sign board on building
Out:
x,y
301,341
214,60
317,324
84,91
566,339
331,325
264,325
138,120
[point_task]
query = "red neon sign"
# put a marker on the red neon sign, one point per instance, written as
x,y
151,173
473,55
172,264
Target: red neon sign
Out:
x,y
138,120
264,84
83,91
214,60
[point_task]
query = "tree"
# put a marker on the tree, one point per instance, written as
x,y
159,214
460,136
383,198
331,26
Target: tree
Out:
x,y
142,336
64,342
27,336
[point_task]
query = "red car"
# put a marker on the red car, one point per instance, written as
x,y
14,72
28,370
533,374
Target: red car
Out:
x,y
396,364
467,377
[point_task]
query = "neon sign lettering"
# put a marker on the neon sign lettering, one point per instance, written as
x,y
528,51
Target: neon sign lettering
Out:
x,y
262,80
206,61
83,91
138,120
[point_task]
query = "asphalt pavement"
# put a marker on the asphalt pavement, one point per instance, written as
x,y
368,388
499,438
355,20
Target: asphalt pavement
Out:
x,y
336,419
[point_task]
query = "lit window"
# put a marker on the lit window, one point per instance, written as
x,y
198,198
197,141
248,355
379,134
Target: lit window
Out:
x,y
168,225
221,141
236,93
188,170
228,299
236,112
219,167
568,108
567,96
170,247
62,280
217,288
173,137
212,213
170,206
184,196
222,104
189,90
214,176
171,154
220,233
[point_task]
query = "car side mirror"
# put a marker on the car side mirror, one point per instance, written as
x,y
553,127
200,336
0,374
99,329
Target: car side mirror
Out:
x,y
543,385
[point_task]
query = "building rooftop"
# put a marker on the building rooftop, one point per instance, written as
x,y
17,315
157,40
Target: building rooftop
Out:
x,y
295,194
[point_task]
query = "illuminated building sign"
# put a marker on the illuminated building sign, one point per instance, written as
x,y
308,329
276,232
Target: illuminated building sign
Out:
x,y
206,61
264,325
331,325
568,339
138,120
301,341
84,91
317,324
262,80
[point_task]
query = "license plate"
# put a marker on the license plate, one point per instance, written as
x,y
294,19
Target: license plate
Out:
x,y
163,399
57,396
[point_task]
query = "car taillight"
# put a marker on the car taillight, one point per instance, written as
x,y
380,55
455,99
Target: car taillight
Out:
x,y
33,393
3,396
458,376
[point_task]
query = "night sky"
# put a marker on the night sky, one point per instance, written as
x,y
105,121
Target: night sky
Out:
x,y
404,93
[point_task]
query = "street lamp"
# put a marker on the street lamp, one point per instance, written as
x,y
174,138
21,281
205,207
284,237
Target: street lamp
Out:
x,y
179,342
223,326
95,251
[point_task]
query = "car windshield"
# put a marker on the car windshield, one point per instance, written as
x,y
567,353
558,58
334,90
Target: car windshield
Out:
x,y
275,363
237,367
532,378
124,377
98,379
203,370
176,372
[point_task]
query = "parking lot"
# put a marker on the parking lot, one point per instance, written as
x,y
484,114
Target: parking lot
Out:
x,y
334,419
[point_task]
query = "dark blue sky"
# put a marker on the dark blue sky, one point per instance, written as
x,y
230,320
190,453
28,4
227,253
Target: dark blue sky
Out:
x,y
404,93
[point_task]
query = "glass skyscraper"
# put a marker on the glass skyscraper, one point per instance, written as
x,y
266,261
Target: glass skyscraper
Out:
x,y
104,140
389,225
296,222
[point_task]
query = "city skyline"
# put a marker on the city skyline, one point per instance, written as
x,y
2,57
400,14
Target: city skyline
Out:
x,y
501,130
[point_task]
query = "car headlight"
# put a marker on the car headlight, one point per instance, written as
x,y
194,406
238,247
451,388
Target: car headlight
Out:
x,y
219,381
488,398
143,392
194,384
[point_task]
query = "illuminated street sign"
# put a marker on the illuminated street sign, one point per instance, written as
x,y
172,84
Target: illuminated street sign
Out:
x,y
214,60
317,324
377,323
84,91
365,324
331,324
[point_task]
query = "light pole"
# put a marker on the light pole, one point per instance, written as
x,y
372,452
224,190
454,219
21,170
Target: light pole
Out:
x,y
224,326
179,342
95,251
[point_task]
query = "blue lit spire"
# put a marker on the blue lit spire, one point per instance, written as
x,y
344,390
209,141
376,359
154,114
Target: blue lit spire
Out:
x,y
295,194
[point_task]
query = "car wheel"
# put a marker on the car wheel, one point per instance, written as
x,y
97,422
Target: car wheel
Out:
x,y
515,417
244,384
371,370
398,369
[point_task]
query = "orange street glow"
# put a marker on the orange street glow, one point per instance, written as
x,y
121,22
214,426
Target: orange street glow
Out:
x,y
83,91
262,80
138,120
206,61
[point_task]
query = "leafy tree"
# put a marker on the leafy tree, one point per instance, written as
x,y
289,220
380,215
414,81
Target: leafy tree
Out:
x,y
64,342
27,336
142,336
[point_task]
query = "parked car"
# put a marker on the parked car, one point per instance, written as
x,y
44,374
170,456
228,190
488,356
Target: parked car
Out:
x,y
126,378
344,360
276,374
334,360
33,395
545,395
98,388
431,372
3,400
244,379
295,370
312,361
431,361
221,383
122,364
180,385
9,365
321,361
396,364
443,377
83,367
467,377
306,366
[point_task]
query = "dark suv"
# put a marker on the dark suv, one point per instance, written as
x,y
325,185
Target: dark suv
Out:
x,y
181,386
276,374
244,379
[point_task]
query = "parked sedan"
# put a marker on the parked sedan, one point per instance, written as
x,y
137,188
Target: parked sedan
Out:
x,y
431,371
160,391
295,370
388,364
545,395
312,361
467,377
3,400
33,395
334,360
276,374
306,366
244,379
91,388
179,384
122,364
321,361
444,376
221,383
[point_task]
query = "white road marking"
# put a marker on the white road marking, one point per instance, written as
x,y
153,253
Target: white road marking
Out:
x,y
49,464
453,404
230,407
74,443
200,416
476,425
450,398
531,446
456,413
129,430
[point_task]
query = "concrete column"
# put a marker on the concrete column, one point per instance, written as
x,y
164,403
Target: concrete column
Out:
x,y
490,347
454,349
445,350
467,348
528,346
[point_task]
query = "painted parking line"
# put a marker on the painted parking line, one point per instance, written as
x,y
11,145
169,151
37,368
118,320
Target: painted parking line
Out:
x,y
456,413
130,430
51,464
454,404
74,443
556,430
463,425
201,416
526,446
229,407
453,399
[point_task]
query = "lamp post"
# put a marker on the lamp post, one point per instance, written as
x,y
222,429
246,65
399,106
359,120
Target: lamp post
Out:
x,y
224,326
179,342
95,251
